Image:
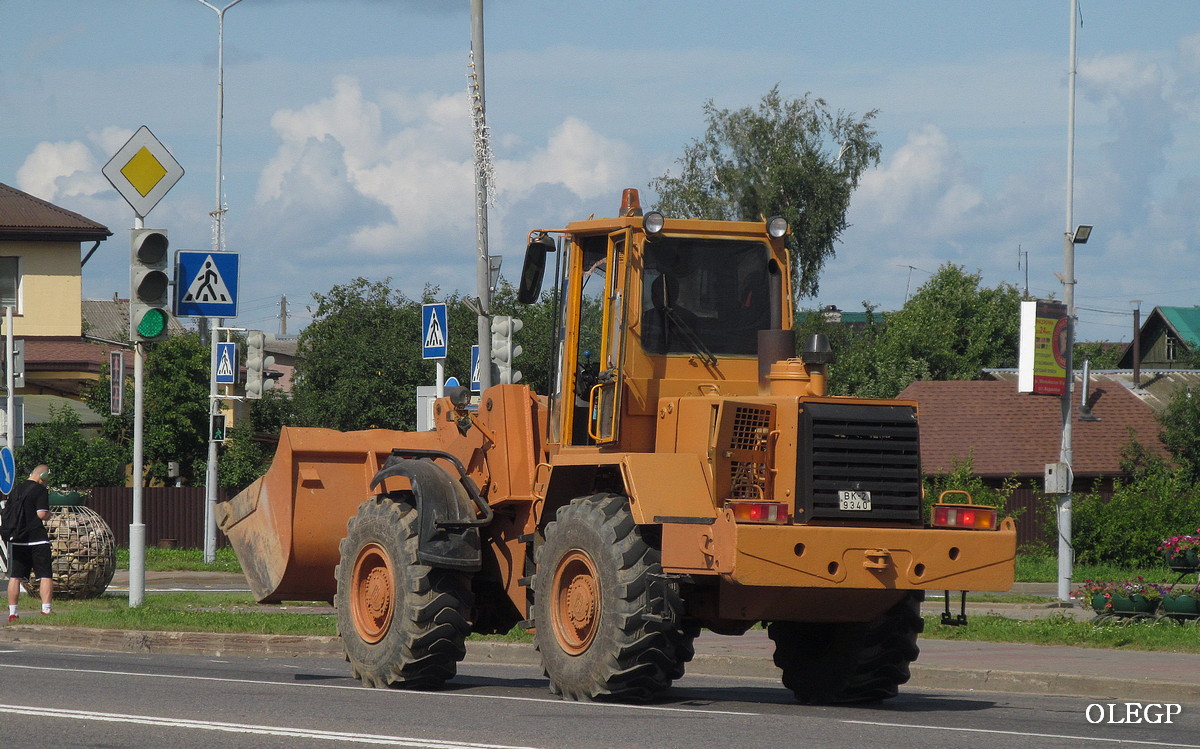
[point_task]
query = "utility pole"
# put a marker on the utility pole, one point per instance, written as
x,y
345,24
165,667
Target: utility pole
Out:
x,y
283,315
218,214
483,167
1066,552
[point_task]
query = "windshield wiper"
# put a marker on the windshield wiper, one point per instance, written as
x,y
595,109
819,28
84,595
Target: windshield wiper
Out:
x,y
693,340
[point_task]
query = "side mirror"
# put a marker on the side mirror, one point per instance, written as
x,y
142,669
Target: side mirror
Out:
x,y
534,269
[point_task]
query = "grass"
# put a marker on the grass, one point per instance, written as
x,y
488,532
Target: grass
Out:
x,y
1037,568
191,560
186,612
1059,629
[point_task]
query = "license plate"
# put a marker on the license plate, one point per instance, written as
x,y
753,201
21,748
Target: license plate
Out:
x,y
854,500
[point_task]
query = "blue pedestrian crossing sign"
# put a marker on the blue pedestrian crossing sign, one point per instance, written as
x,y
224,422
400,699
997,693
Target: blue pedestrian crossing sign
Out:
x,y
434,338
475,386
206,283
227,364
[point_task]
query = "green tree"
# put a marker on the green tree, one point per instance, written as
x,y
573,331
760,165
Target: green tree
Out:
x,y
1179,431
792,158
951,329
1101,354
176,409
74,460
358,363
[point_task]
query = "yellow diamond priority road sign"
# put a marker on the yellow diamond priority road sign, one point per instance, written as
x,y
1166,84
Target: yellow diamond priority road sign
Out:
x,y
143,171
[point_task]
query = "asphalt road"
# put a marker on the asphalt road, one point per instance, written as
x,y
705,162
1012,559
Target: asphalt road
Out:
x,y
64,698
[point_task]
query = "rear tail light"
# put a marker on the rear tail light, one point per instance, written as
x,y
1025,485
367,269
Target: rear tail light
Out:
x,y
759,512
964,516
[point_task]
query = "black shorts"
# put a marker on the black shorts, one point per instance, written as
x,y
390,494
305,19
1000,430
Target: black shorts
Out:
x,y
25,557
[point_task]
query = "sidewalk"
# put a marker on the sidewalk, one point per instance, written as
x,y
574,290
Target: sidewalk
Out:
x,y
1105,675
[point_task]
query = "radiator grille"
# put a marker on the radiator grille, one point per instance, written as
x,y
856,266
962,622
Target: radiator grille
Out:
x,y
750,428
746,448
860,448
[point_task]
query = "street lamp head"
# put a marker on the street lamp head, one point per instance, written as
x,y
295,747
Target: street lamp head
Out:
x,y
1082,232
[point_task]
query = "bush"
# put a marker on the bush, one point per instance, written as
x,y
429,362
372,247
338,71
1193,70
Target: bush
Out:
x,y
1157,502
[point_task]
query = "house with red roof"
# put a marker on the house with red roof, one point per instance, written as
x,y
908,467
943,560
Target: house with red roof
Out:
x,y
41,279
1007,434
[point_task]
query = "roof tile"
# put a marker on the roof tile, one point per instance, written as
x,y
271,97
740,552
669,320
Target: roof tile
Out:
x,y
24,217
1009,433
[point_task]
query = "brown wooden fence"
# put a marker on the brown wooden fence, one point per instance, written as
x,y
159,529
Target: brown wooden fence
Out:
x,y
1035,512
170,514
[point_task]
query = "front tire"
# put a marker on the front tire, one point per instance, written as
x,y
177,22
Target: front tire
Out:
x,y
402,623
828,663
608,620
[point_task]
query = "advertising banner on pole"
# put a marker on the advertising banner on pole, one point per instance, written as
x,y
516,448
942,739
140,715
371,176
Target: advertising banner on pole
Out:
x,y
1042,365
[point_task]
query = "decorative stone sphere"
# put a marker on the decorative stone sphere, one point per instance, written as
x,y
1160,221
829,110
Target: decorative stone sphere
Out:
x,y
83,552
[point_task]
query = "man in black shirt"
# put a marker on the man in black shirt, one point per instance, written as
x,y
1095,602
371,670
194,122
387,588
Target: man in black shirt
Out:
x,y
30,544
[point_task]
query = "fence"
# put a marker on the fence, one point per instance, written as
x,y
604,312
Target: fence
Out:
x,y
170,514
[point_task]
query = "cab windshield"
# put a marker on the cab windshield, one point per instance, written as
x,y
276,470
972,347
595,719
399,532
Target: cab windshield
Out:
x,y
707,297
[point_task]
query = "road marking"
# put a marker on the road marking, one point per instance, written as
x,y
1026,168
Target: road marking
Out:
x,y
1018,733
357,687
209,725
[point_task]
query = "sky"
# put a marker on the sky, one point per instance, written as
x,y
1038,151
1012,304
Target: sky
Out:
x,y
348,146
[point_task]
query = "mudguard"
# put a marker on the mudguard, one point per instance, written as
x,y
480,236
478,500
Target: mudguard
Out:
x,y
448,528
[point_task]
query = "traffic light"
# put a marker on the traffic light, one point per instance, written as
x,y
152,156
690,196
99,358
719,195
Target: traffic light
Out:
x,y
504,351
149,286
216,431
18,363
18,359
256,364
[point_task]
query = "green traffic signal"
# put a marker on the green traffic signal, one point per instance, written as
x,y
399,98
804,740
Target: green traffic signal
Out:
x,y
152,324
149,285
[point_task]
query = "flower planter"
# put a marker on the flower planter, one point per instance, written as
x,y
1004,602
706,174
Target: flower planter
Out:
x,y
1135,604
1187,560
1181,604
1100,603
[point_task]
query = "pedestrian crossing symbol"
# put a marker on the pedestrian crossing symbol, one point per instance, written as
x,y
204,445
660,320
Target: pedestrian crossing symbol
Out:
x,y
475,385
434,340
434,337
227,364
206,283
208,286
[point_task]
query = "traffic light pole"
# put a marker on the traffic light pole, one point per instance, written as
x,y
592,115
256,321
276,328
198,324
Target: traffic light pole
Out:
x,y
210,475
137,528
9,432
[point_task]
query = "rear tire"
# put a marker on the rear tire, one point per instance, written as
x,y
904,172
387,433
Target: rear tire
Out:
x,y
608,620
827,663
402,623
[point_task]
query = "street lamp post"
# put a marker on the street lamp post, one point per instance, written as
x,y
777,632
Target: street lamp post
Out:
x,y
218,214
1071,237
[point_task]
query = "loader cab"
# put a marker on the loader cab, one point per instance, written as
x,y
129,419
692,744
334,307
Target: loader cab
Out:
x,y
647,308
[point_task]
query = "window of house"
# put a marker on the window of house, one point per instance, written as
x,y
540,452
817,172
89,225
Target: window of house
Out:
x,y
1170,346
10,282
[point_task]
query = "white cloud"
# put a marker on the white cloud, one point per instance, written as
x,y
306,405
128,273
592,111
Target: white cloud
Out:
x,y
60,170
381,176
926,188
576,157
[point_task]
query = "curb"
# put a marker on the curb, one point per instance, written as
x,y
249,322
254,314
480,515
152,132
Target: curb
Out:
x,y
522,654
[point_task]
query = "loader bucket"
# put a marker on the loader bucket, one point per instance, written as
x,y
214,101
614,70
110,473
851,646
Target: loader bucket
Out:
x,y
286,526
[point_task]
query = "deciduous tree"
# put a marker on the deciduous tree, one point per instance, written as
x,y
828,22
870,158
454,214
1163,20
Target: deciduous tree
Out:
x,y
794,158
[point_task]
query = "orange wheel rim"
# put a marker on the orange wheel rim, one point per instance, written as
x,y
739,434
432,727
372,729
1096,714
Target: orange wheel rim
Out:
x,y
372,596
575,603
